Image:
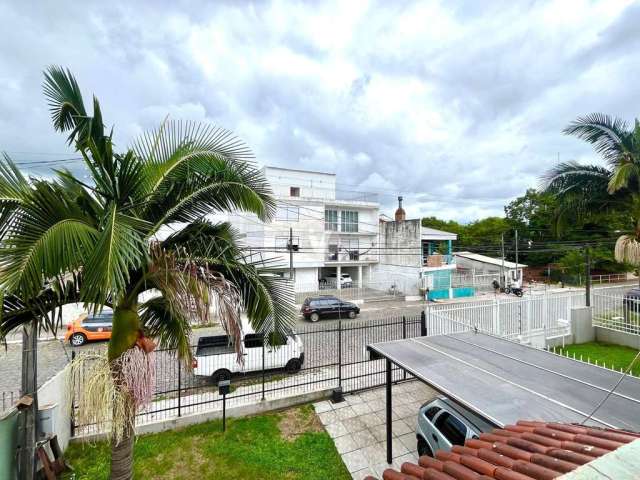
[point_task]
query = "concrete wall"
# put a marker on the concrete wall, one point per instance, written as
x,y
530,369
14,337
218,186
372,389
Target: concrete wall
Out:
x,y
606,335
53,393
402,243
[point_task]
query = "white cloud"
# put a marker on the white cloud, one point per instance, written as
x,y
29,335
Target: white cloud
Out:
x,y
458,106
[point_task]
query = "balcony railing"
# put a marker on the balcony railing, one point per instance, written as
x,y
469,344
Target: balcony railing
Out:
x,y
437,260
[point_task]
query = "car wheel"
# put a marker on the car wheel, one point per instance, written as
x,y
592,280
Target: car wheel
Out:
x,y
352,314
424,448
314,317
220,375
293,366
78,339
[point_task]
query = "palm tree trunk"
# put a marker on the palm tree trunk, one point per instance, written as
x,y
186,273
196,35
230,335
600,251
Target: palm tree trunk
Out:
x,y
126,325
122,456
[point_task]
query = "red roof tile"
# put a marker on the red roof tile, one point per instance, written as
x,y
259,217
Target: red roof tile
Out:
x,y
527,451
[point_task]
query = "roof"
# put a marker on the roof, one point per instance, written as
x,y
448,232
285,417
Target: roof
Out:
x,y
434,234
490,260
504,381
530,450
271,167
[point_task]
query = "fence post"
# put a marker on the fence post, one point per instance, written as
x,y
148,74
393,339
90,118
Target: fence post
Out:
x,y
263,354
340,354
179,387
73,397
423,324
404,336
495,321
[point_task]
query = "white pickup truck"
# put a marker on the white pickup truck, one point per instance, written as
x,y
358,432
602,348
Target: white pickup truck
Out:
x,y
216,358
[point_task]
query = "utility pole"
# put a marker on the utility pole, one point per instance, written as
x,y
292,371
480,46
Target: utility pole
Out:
x,y
502,284
290,246
28,420
519,279
588,275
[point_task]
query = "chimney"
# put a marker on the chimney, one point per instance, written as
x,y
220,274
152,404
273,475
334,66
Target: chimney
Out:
x,y
400,213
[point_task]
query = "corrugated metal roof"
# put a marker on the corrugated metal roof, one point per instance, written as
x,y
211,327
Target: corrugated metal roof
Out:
x,y
528,450
434,234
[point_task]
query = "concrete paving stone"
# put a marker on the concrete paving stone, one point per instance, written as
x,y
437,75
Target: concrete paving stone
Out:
x,y
363,438
354,399
369,395
400,427
364,473
378,405
345,413
345,444
354,424
339,405
371,419
361,408
398,448
407,457
328,417
336,430
404,410
379,468
324,406
408,440
379,432
375,453
355,460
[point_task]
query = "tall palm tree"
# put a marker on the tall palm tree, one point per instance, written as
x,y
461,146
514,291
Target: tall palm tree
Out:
x,y
588,189
107,234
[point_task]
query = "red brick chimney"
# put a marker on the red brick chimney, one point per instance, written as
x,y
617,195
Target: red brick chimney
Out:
x,y
400,213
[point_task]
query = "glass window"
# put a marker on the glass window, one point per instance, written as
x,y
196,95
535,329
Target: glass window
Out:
x,y
352,247
431,412
288,214
253,340
349,221
294,191
332,255
453,429
331,220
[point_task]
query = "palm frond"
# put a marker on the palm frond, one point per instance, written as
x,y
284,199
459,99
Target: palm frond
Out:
x,y
51,236
609,136
13,190
194,169
120,248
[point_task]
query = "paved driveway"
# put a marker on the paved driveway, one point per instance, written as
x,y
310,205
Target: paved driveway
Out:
x,y
358,428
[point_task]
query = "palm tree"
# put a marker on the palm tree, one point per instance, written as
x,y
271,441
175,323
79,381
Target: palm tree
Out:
x,y
589,189
107,234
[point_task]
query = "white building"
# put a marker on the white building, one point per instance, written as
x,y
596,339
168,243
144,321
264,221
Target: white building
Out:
x,y
333,231
485,269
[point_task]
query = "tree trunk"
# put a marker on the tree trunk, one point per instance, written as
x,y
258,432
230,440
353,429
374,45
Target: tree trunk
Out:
x,y
126,325
122,457
28,418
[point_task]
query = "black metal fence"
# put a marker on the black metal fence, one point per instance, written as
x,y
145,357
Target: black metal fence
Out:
x,y
335,356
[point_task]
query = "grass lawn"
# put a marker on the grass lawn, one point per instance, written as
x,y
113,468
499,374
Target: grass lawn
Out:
x,y
616,355
290,445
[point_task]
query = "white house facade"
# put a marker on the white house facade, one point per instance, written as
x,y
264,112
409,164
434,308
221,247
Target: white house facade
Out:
x,y
332,232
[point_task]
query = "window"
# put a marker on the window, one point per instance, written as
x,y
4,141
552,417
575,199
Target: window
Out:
x,y
431,412
282,243
288,214
294,191
351,246
331,220
452,428
333,253
252,340
349,221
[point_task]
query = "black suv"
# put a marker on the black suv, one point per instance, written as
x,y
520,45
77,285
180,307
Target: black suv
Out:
x,y
328,306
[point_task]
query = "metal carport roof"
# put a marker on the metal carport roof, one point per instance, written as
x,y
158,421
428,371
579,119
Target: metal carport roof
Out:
x,y
506,381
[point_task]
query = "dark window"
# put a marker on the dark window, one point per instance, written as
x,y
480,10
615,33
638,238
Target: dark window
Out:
x,y
431,412
294,191
213,345
331,220
452,428
252,340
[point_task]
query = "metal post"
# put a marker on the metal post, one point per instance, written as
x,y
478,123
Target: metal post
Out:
x,y
423,324
263,353
290,247
389,431
72,427
179,388
404,336
588,281
502,282
340,354
27,465
224,412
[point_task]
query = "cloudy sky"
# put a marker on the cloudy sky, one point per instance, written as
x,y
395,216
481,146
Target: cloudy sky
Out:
x,y
456,105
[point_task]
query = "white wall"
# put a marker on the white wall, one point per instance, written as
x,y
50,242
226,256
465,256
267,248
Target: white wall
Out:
x,y
54,392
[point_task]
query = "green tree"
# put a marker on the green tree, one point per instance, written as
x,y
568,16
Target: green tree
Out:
x,y
583,189
107,234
